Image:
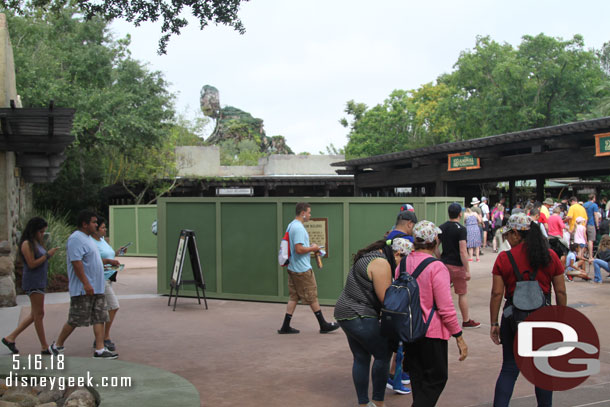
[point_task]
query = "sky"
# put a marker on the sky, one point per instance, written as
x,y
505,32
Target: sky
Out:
x,y
299,62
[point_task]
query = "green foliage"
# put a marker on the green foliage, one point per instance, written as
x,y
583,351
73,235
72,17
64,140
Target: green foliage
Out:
x,y
493,89
124,112
59,230
331,149
172,13
240,152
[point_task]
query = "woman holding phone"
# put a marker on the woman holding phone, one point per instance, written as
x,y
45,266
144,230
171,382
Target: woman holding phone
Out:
x,y
34,281
108,258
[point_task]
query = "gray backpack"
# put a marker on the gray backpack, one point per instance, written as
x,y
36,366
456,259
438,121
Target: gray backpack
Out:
x,y
527,297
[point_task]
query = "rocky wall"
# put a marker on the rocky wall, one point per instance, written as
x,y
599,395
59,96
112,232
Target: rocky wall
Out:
x,y
15,203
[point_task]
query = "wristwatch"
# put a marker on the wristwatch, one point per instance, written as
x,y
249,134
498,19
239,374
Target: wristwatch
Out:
x,y
495,324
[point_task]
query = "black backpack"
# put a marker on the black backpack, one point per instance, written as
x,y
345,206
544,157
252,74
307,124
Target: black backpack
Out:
x,y
401,314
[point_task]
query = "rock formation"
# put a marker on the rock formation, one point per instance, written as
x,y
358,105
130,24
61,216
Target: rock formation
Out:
x,y
237,125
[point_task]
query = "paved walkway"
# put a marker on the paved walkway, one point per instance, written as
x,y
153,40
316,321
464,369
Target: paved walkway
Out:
x,y
233,356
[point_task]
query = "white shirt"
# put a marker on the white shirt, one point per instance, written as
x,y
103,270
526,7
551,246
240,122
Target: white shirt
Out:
x,y
485,210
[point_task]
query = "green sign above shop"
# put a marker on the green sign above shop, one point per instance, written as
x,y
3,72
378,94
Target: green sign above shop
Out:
x,y
463,161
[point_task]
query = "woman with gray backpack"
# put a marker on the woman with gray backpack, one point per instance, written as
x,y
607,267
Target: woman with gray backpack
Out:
x,y
524,276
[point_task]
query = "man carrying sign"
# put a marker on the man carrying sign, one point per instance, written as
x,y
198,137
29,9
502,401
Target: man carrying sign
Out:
x,y
301,280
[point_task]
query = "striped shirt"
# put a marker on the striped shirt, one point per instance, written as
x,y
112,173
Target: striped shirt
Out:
x,y
358,298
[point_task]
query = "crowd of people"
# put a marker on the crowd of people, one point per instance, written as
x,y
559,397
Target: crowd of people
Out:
x,y
90,261
532,238
553,241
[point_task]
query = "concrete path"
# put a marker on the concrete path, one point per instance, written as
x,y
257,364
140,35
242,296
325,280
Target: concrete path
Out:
x,y
233,356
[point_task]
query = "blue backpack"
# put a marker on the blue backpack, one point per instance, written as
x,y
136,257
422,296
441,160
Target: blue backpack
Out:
x,y
401,315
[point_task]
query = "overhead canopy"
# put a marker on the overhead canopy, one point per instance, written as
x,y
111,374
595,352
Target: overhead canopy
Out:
x,y
39,137
547,152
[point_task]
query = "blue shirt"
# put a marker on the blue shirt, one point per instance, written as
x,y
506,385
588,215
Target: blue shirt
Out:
x,y
395,233
81,247
591,207
299,263
106,252
571,258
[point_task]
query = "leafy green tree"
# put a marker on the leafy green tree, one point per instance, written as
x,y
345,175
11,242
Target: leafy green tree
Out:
x,y
494,89
171,13
120,105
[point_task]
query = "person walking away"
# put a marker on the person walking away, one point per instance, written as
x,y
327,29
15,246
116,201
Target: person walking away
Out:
x,y
497,217
530,252
602,260
301,279
473,234
486,220
34,281
358,310
593,218
576,210
108,255
455,257
428,358
86,285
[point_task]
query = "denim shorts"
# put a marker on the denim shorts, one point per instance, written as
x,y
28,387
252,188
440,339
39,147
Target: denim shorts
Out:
x,y
35,291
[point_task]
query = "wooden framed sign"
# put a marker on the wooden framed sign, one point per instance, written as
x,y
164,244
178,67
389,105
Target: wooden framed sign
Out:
x,y
463,161
317,228
602,144
186,241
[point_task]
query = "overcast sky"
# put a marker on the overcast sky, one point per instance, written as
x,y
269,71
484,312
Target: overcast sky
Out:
x,y
299,62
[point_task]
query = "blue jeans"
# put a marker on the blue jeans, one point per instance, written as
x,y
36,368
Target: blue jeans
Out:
x,y
597,264
365,341
509,372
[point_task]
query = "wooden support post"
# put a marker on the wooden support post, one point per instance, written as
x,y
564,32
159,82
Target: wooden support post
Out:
x,y
512,194
440,189
540,189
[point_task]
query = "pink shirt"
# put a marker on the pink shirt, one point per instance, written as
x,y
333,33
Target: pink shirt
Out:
x,y
434,286
580,234
556,225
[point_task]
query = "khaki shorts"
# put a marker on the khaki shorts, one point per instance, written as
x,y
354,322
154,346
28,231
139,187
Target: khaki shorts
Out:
x,y
591,233
87,310
458,278
302,286
112,302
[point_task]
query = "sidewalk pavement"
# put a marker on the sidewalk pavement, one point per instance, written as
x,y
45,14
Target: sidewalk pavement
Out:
x,y
233,356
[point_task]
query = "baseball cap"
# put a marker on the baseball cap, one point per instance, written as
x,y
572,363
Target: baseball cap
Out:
x,y
402,246
454,207
426,231
519,221
407,207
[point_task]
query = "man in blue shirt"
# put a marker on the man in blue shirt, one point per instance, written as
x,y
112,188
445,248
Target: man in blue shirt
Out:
x,y
301,279
593,213
86,284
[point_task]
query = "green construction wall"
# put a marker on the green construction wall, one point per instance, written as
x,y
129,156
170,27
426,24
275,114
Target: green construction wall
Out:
x,y
238,240
132,223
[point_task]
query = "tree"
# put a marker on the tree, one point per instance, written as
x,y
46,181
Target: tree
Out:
x,y
120,105
171,13
494,89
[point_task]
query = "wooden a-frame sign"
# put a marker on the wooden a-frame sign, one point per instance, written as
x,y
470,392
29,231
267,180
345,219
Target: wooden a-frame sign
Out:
x,y
187,240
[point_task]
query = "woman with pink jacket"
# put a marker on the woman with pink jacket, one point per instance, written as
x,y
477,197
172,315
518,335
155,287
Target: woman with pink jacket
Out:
x,y
427,359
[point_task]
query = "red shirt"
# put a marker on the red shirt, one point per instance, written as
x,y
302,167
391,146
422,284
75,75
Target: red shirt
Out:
x,y
542,218
504,268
